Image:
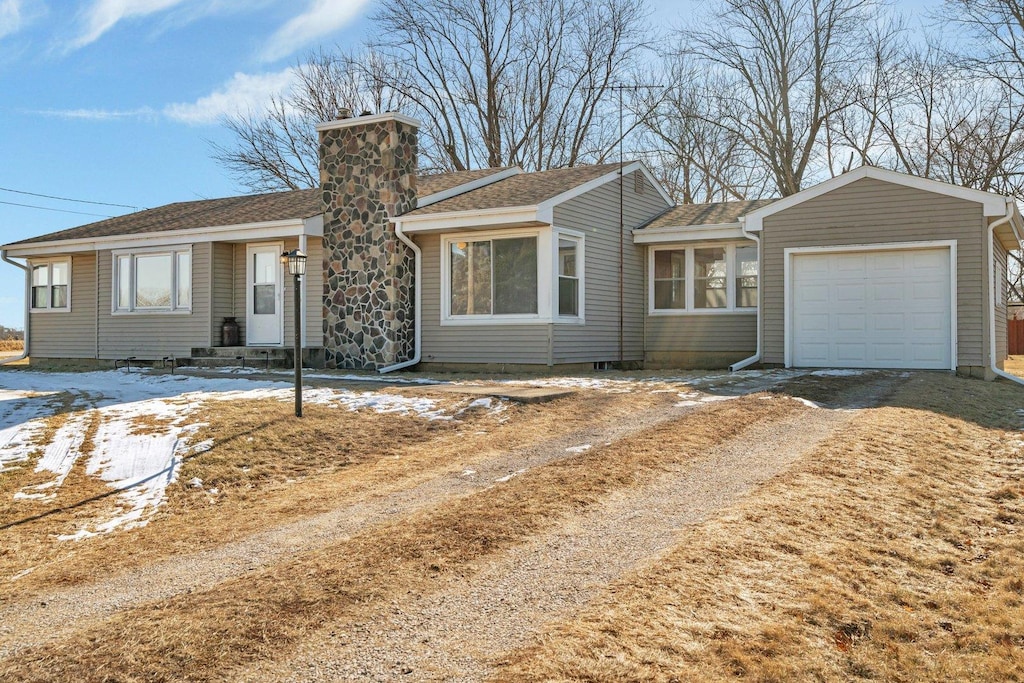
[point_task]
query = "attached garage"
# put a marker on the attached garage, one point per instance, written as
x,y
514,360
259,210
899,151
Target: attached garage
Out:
x,y
877,269
877,306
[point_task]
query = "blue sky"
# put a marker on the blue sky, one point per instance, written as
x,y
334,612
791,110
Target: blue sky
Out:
x,y
118,100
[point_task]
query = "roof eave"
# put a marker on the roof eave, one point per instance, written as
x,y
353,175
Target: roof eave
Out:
x,y
689,233
311,226
468,220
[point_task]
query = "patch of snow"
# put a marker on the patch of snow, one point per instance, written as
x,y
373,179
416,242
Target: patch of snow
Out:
x,y
195,483
468,473
510,476
704,399
838,373
806,402
582,448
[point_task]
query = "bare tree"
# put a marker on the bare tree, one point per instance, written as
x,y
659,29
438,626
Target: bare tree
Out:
x,y
505,82
276,149
789,65
695,157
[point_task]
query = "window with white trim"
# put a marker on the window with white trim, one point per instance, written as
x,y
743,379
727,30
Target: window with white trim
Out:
x,y
153,281
51,285
492,277
706,278
570,270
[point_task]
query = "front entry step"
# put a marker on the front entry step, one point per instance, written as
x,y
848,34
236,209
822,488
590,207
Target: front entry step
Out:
x,y
252,357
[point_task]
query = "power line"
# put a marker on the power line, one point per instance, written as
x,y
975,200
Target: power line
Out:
x,y
67,199
46,208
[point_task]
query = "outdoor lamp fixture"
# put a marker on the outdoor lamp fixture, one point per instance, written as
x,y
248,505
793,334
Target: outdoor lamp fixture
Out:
x,y
296,261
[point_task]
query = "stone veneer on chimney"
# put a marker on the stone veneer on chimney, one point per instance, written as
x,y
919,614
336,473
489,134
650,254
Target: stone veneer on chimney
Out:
x,y
367,175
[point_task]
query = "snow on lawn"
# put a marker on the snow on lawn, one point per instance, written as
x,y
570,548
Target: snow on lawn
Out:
x,y
139,463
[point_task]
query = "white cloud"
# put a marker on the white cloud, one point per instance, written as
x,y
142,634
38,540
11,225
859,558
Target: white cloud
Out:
x,y
243,93
98,114
15,15
321,18
10,17
104,14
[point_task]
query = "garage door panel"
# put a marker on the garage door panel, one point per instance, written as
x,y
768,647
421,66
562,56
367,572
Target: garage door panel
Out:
x,y
815,323
888,353
876,308
849,352
815,353
889,322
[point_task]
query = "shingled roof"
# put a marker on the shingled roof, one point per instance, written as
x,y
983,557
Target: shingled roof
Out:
x,y
525,189
716,213
440,182
259,208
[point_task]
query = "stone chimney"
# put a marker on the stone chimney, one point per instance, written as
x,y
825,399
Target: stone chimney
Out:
x,y
367,176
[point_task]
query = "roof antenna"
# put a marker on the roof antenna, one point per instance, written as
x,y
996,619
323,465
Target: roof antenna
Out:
x,y
619,88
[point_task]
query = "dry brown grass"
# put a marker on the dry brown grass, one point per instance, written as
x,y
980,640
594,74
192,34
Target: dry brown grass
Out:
x,y
11,345
1014,365
271,469
201,636
891,553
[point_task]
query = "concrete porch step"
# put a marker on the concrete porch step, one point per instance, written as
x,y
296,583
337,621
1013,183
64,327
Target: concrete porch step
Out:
x,y
251,357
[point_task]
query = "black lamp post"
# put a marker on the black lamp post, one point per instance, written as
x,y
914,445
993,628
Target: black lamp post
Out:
x,y
296,261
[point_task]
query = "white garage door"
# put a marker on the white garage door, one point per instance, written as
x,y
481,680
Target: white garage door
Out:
x,y
872,309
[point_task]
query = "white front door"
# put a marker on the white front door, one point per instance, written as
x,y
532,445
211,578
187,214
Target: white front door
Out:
x,y
873,309
264,317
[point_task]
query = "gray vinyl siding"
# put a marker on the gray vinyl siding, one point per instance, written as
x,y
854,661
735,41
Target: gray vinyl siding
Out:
x,y
58,334
526,344
725,333
154,335
222,294
1000,287
870,211
596,214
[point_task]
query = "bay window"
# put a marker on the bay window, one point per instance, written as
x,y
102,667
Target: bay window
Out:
x,y
51,285
493,277
703,278
523,276
153,281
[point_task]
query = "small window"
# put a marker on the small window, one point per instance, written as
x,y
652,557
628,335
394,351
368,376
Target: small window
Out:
x,y
153,281
51,285
709,279
670,279
746,277
568,277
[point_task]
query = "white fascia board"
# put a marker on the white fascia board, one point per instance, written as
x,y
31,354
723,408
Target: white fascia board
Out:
x,y
695,233
993,204
363,120
467,187
313,226
468,220
545,210
247,232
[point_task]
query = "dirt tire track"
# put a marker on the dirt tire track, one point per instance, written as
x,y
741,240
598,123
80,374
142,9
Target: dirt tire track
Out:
x,y
48,616
460,631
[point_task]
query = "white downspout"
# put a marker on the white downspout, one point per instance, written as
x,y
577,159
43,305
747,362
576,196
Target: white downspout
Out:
x,y
757,353
992,295
28,293
417,256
